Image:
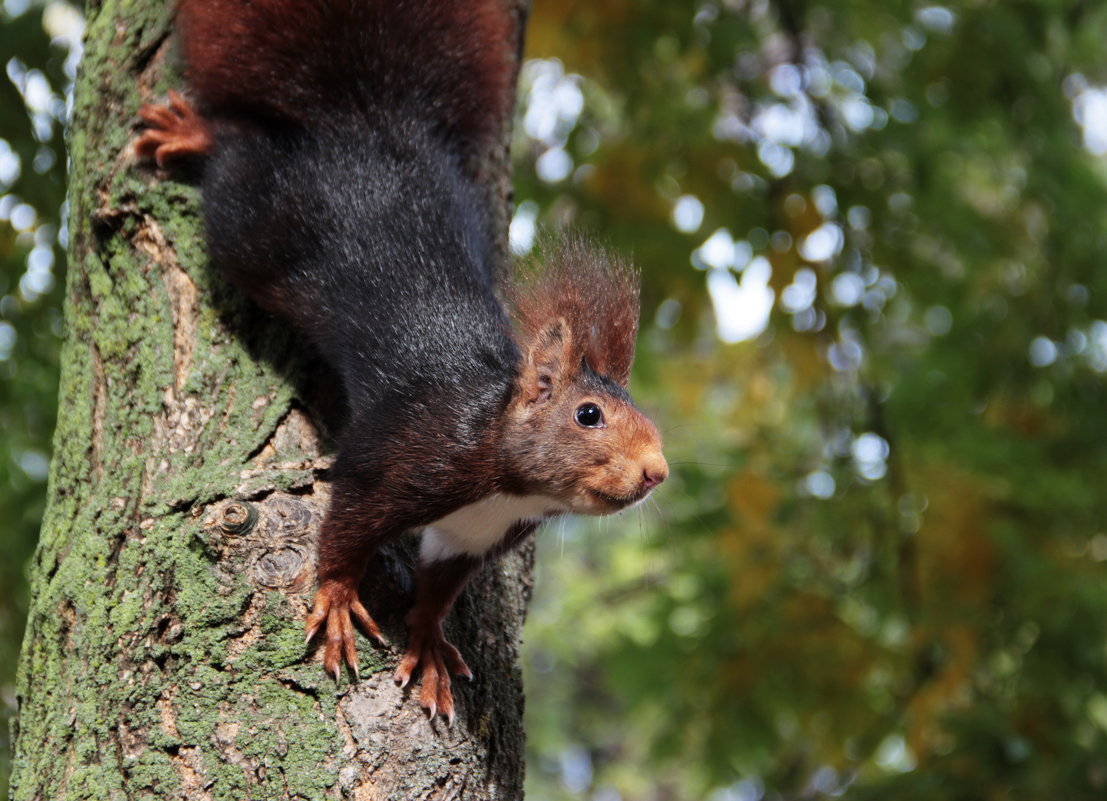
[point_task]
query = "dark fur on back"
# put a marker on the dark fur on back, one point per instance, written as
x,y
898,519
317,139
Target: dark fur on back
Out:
x,y
374,247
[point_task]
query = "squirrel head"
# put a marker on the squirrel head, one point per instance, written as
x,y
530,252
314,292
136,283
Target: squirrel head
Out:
x,y
572,429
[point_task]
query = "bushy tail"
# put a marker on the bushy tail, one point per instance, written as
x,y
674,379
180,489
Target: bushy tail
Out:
x,y
310,61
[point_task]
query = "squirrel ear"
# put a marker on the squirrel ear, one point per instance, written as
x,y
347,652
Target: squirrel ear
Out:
x,y
547,362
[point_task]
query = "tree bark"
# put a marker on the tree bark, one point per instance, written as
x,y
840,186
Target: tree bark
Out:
x,y
164,653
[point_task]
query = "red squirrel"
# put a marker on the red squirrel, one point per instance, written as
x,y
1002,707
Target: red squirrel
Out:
x,y
337,140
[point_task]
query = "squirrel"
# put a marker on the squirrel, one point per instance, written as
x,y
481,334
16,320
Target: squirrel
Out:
x,y
337,140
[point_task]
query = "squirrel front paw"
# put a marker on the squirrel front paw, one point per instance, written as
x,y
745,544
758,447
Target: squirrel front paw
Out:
x,y
336,602
427,646
175,130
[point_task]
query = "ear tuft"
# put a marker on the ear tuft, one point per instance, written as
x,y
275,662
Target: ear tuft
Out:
x,y
591,294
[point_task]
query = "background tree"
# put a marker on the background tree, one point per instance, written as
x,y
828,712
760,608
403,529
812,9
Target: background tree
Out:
x,y
164,654
877,570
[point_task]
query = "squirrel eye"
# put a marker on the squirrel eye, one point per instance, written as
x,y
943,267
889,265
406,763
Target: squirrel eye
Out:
x,y
589,415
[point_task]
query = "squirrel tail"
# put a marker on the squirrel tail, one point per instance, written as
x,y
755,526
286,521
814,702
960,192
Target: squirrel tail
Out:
x,y
306,62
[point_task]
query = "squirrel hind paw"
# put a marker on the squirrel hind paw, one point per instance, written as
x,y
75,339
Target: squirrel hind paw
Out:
x,y
174,131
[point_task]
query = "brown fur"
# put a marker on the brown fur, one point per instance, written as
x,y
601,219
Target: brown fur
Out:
x,y
596,295
576,319
246,59
593,471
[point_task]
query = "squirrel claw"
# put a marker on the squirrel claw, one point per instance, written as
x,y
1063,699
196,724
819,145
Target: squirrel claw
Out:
x,y
429,649
368,625
336,603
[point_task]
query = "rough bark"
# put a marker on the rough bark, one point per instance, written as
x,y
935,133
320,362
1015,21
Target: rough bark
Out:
x,y
164,653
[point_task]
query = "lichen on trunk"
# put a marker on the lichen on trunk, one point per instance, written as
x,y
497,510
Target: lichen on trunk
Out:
x,y
164,653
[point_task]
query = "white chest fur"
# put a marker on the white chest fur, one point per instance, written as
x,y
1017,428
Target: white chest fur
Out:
x,y
474,529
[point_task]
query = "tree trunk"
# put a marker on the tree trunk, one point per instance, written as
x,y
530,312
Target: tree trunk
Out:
x,y
164,654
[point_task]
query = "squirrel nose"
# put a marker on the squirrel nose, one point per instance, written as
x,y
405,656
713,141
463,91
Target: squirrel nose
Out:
x,y
654,472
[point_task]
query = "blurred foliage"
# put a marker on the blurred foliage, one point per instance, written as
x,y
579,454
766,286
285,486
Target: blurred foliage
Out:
x,y
38,54
875,335
878,568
